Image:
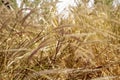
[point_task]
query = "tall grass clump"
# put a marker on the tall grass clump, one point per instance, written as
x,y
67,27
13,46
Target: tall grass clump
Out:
x,y
37,43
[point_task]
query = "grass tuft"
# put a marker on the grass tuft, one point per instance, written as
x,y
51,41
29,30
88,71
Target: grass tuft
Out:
x,y
40,45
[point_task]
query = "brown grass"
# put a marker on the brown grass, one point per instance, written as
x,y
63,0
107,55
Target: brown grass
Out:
x,y
43,46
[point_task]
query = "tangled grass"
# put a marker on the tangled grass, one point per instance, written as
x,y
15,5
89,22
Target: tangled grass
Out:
x,y
43,46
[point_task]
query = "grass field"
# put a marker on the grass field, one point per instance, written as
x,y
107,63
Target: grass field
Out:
x,y
42,45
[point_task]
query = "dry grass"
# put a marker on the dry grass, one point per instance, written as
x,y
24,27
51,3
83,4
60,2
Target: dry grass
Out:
x,y
43,46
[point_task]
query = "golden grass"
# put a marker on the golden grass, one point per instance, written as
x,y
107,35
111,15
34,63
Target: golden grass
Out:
x,y
44,46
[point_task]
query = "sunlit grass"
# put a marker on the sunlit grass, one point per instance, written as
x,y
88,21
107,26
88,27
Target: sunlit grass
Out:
x,y
40,45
